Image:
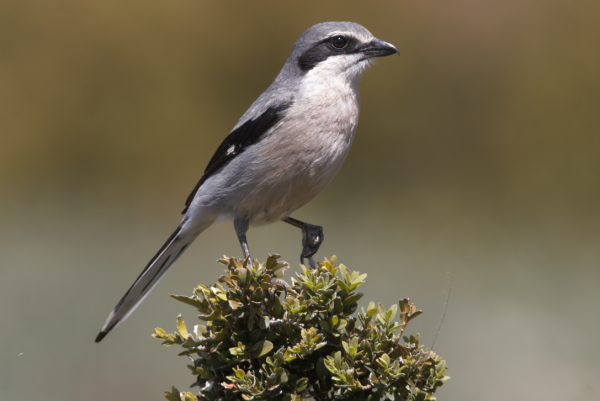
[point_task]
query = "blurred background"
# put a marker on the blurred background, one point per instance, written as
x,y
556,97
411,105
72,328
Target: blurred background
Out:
x,y
476,154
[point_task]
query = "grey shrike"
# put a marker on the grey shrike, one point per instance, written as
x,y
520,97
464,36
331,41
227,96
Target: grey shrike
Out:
x,y
284,150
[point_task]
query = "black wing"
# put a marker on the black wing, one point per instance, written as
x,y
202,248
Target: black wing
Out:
x,y
237,141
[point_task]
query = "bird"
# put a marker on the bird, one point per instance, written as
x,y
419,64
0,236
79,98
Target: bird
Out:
x,y
284,150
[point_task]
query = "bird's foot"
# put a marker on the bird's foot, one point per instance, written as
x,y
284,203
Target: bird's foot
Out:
x,y
312,238
312,265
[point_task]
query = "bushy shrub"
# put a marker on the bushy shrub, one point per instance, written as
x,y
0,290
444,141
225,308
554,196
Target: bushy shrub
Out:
x,y
268,340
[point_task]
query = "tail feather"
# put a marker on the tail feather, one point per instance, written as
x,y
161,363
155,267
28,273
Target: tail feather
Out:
x,y
150,276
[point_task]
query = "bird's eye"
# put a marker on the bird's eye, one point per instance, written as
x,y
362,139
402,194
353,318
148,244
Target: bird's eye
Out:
x,y
339,42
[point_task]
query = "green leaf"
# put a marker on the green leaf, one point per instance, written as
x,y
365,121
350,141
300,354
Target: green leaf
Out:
x,y
391,313
344,287
277,310
214,315
352,299
173,395
262,348
219,293
441,367
359,279
243,275
414,315
384,360
257,295
264,322
279,270
301,385
189,342
196,303
350,326
235,304
371,309
345,345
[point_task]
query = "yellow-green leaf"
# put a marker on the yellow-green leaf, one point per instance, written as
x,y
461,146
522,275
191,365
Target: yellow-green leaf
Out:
x,y
188,396
199,330
181,328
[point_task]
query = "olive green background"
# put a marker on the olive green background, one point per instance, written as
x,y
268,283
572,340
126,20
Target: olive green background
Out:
x,y
477,154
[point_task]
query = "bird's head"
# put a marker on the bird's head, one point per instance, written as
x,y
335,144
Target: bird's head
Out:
x,y
344,48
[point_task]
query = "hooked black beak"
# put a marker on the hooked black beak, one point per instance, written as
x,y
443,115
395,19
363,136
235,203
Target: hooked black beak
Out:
x,y
379,48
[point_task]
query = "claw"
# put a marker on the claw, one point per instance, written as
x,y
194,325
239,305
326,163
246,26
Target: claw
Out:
x,y
312,237
312,265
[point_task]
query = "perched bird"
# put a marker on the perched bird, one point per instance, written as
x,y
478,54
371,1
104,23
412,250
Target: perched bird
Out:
x,y
284,150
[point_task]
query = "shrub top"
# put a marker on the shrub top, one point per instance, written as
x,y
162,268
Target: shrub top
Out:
x,y
267,340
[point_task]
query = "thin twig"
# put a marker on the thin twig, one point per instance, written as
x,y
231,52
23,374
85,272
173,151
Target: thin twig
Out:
x,y
445,309
438,329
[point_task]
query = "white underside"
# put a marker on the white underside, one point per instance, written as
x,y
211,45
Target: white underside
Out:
x,y
297,160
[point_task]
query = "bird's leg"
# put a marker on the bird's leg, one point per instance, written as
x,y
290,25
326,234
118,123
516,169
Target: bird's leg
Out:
x,y
241,227
312,238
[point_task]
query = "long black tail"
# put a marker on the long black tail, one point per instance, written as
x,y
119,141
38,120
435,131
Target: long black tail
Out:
x,y
154,271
